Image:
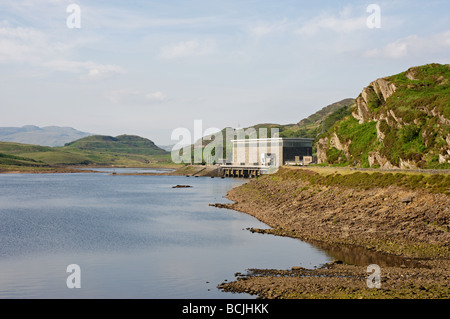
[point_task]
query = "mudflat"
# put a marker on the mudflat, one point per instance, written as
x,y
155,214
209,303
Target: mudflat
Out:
x,y
408,221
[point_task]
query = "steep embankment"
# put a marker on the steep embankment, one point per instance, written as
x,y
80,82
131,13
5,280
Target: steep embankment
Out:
x,y
400,121
406,216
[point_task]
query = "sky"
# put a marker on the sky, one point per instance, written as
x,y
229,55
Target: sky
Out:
x,y
149,67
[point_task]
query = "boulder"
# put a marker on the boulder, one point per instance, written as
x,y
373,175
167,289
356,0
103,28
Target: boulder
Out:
x,y
407,199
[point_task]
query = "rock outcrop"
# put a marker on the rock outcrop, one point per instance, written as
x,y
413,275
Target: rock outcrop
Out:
x,y
382,88
322,146
400,121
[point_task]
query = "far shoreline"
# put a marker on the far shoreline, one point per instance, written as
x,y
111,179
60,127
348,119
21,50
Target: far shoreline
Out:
x,y
176,170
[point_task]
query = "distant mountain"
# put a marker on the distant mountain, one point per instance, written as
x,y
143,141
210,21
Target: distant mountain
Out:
x,y
126,144
44,136
399,121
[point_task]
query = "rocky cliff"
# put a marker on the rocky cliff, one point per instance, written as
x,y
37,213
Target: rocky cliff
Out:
x,y
400,121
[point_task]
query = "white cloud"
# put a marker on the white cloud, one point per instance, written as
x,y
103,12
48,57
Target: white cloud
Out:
x,y
413,46
262,29
100,71
155,96
347,20
394,50
342,23
137,97
35,48
23,45
122,18
192,48
341,20
88,69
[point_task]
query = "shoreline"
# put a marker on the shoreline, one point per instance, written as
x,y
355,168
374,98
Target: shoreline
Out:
x,y
50,170
204,170
414,232
188,170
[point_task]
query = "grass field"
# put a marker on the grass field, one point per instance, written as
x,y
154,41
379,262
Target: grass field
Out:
x,y
15,156
435,181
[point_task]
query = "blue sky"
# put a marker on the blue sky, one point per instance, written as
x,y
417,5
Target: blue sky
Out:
x,y
148,67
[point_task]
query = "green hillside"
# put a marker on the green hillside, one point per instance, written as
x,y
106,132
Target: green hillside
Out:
x,y
399,121
8,159
36,156
124,144
124,150
318,122
309,127
314,124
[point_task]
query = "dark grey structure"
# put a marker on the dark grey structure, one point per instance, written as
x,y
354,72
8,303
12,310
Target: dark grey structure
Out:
x,y
295,149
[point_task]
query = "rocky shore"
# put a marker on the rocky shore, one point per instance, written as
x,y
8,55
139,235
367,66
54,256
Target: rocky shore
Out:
x,y
427,280
408,225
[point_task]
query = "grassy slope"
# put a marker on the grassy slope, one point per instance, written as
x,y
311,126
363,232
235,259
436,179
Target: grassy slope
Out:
x,y
421,135
314,124
309,127
127,144
413,102
18,156
8,159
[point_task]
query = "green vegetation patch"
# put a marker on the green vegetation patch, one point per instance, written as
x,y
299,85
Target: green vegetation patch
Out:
x,y
126,144
426,89
413,121
435,183
40,157
362,137
8,159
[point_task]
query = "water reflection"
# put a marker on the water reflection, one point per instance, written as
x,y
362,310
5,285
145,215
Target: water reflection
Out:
x,y
129,170
132,236
360,256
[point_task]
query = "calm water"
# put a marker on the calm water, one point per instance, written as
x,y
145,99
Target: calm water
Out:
x,y
132,236
128,170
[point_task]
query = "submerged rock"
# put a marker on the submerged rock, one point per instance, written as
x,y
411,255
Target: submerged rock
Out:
x,y
220,205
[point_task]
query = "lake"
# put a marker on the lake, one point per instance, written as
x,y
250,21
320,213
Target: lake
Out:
x,y
132,237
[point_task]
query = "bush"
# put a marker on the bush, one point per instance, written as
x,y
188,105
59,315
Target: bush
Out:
x,y
409,133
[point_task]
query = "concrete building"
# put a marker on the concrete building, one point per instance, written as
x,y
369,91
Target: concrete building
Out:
x,y
253,157
272,151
